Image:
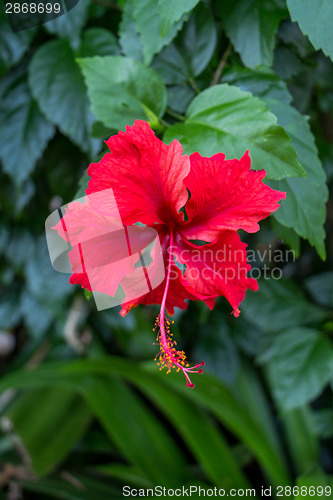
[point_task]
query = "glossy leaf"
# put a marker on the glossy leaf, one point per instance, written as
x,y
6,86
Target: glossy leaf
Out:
x,y
121,90
299,365
223,118
315,20
280,304
304,208
172,10
57,84
251,26
148,25
192,50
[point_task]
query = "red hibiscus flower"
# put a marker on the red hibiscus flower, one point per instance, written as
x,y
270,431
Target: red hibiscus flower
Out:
x,y
196,205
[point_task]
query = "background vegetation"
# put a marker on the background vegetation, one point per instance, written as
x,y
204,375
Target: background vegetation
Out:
x,y
84,409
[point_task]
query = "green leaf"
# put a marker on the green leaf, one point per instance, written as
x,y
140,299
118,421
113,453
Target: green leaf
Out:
x,y
47,286
218,350
288,236
251,26
304,208
83,185
317,484
148,26
74,487
225,119
58,86
172,10
135,430
299,366
192,50
122,90
188,417
210,394
126,473
52,416
179,97
197,40
99,41
302,442
24,132
280,304
69,25
315,20
320,287
323,422
129,39
12,45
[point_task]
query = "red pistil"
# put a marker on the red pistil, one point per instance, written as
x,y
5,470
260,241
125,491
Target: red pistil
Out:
x,y
169,357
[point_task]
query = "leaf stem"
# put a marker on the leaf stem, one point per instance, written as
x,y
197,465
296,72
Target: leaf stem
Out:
x,y
176,115
221,65
164,123
193,85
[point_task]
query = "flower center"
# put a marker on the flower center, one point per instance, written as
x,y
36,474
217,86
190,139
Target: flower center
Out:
x,y
169,357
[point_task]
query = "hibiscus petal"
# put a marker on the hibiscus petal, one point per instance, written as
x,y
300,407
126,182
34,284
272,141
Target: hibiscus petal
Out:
x,y
218,268
145,174
179,290
226,194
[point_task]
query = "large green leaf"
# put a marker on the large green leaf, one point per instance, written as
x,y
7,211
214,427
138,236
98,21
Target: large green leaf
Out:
x,y
69,25
136,431
304,208
121,90
225,119
188,417
315,20
251,26
24,132
209,393
300,363
57,84
49,422
147,21
172,10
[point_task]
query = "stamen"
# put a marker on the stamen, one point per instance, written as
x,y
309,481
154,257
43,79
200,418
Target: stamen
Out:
x,y
169,357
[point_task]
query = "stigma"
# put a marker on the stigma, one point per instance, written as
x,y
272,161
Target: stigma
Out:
x,y
169,357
